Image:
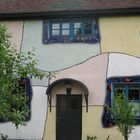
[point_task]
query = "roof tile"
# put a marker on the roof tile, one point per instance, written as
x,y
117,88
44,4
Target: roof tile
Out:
x,y
29,6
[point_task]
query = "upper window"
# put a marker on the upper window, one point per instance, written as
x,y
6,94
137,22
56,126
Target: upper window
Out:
x,y
74,30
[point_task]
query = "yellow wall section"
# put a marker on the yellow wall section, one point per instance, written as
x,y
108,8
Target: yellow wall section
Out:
x,y
120,34
91,125
50,128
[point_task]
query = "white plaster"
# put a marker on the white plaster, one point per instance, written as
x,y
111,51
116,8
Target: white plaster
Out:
x,y
123,65
38,82
135,135
35,127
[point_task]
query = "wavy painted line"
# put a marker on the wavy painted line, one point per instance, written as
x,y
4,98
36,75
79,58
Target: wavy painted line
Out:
x,y
91,58
22,38
39,86
72,65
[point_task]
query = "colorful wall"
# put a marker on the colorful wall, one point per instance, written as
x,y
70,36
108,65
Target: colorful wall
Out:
x,y
120,34
117,54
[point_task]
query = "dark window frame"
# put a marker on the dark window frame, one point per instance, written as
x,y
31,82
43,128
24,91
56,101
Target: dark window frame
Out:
x,y
25,85
48,36
107,119
126,87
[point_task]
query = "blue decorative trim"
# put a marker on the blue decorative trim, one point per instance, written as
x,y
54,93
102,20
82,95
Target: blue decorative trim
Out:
x,y
45,32
47,38
29,93
107,120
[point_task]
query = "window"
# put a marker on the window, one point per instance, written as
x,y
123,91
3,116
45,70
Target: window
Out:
x,y
132,93
55,29
25,86
71,30
130,86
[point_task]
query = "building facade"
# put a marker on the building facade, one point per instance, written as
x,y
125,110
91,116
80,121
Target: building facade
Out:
x,y
94,48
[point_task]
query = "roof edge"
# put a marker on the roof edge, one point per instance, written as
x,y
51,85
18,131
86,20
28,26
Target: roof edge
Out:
x,y
66,14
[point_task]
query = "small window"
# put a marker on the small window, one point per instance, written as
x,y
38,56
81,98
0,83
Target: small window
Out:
x,y
130,86
87,28
71,30
119,89
65,29
25,86
132,93
77,28
55,29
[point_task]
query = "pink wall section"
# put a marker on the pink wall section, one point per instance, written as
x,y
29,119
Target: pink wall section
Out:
x,y
15,28
92,73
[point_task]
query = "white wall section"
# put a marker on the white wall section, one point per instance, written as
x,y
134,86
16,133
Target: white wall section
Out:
x,y
123,65
35,127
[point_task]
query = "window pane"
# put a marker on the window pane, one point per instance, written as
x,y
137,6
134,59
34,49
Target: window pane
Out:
x,y
77,25
119,89
77,28
88,31
55,32
135,108
65,26
133,93
55,26
77,31
87,28
87,24
65,32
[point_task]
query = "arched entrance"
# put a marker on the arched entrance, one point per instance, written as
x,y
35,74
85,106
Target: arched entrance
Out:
x,y
68,108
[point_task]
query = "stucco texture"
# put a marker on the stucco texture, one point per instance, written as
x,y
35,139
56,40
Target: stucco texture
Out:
x,y
91,125
123,65
92,73
120,34
15,28
55,56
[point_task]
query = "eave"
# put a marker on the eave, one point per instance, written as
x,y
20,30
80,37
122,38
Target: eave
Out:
x,y
70,14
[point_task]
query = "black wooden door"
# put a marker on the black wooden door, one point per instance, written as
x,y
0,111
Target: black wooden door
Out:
x,y
69,117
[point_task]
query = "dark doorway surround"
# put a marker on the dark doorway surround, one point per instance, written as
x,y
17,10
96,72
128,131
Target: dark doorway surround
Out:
x,y
64,81
69,117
